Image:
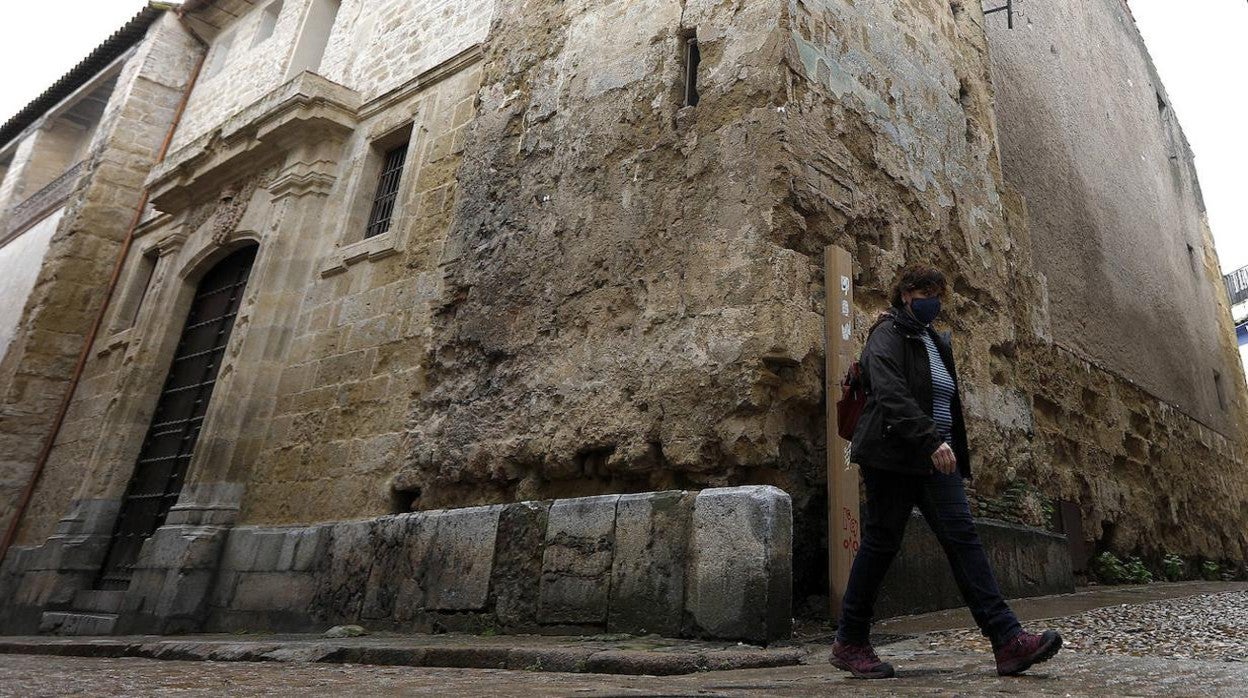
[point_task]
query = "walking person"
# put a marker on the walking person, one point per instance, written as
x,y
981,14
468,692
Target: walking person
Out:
x,y
910,443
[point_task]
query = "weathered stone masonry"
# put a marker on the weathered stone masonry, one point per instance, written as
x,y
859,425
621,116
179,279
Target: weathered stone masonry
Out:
x,y
148,83
590,289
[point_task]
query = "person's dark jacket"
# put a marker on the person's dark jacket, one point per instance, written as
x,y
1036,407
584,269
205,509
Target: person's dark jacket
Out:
x,y
896,430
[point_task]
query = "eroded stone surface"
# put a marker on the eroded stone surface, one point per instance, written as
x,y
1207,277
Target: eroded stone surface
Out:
x,y
576,567
741,573
652,539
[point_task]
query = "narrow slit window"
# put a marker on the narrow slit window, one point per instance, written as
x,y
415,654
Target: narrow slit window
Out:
x,y
387,191
1217,384
693,59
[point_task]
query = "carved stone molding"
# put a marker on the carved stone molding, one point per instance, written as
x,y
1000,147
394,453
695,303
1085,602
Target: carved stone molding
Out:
x,y
308,107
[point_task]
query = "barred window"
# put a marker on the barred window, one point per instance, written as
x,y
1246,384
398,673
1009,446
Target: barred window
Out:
x,y
387,191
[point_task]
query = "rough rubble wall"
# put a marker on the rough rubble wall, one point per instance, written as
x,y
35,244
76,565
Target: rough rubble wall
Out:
x,y
634,290
612,297
68,294
1113,203
1126,419
890,150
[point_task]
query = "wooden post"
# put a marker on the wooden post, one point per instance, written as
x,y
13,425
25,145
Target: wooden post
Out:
x,y
842,475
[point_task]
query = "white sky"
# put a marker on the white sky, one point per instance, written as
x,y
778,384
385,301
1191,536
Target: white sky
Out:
x,y
1200,48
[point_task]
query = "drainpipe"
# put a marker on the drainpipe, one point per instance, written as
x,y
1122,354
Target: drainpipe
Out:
x,y
76,377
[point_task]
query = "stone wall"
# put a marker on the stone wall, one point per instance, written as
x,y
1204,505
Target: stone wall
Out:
x,y
20,261
632,289
1027,562
590,289
713,564
69,290
375,46
1114,207
355,358
659,268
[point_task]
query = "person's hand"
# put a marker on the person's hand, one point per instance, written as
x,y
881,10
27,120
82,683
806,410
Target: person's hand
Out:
x,y
944,460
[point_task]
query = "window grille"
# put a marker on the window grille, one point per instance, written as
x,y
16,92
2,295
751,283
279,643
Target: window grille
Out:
x,y
1008,9
387,192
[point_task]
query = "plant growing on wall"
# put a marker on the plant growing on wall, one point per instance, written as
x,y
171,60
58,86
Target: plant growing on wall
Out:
x,y
1136,572
1210,571
1172,567
1108,569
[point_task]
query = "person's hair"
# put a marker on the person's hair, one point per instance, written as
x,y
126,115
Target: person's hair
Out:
x,y
918,277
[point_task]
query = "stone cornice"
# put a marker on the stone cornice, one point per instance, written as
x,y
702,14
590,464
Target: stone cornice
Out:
x,y
307,107
464,59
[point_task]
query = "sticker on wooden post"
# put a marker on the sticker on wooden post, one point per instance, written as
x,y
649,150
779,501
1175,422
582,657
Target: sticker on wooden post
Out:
x,y
843,533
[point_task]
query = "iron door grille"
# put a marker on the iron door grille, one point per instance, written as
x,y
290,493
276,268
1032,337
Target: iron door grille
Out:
x,y
387,191
170,442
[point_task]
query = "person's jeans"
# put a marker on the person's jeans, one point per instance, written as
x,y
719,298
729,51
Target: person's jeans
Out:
x,y
942,500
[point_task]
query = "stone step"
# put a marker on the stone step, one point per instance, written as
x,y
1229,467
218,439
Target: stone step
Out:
x,y
98,601
74,623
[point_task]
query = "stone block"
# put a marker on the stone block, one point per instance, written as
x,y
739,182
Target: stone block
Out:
x,y
60,623
269,546
343,572
576,566
241,546
648,571
98,601
460,559
300,548
183,548
185,595
741,574
518,553
393,586
273,591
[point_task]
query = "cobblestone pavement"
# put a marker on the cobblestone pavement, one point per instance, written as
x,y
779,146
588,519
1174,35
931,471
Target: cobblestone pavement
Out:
x,y
1211,627
1193,646
921,673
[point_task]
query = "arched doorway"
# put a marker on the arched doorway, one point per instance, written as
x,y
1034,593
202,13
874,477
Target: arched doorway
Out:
x,y
160,470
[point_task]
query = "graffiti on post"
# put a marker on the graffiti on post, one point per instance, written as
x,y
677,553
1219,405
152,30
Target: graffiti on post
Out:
x,y
849,531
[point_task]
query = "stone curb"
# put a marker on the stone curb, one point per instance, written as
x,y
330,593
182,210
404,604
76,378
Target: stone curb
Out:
x,y
544,659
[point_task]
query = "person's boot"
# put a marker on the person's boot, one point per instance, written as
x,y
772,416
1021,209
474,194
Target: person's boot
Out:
x,y
1023,650
860,660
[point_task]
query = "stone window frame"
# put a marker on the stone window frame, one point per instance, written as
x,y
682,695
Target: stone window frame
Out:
x,y
352,246
221,50
139,286
270,15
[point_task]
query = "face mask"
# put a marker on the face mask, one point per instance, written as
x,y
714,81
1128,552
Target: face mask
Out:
x,y
925,309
